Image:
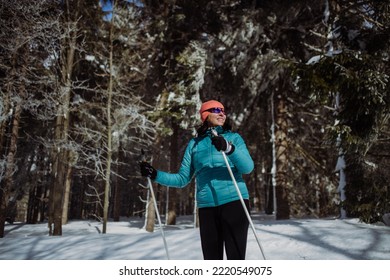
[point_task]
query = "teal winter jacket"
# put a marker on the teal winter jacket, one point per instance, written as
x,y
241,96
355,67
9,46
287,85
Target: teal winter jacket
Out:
x,y
201,159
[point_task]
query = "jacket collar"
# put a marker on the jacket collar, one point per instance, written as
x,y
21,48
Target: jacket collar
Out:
x,y
218,129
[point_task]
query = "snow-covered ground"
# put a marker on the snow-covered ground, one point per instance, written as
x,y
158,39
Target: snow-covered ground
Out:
x,y
295,249
295,239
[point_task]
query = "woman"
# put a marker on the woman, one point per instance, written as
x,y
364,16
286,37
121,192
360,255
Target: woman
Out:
x,y
222,219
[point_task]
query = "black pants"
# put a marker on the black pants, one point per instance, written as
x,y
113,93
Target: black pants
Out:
x,y
224,225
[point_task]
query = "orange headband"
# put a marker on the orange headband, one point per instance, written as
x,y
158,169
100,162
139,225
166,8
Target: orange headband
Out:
x,y
208,105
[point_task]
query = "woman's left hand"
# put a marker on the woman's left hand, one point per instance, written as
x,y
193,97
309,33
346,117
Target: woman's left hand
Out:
x,y
221,144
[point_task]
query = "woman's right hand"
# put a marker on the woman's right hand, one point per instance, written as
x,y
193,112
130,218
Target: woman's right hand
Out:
x,y
147,170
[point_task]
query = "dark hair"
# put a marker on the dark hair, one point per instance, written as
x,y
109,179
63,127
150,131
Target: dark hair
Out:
x,y
201,131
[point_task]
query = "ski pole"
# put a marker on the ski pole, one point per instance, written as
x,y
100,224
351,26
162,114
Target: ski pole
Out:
x,y
241,198
157,212
158,217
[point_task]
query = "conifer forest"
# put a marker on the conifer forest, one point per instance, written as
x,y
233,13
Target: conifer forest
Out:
x,y
87,85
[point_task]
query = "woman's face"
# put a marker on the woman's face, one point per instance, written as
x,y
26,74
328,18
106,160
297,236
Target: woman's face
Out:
x,y
216,119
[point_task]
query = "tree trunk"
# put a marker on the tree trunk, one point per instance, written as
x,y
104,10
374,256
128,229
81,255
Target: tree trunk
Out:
x,y
11,145
36,193
107,188
56,194
4,191
10,167
60,155
150,215
117,200
107,177
281,188
172,202
68,185
60,167
117,187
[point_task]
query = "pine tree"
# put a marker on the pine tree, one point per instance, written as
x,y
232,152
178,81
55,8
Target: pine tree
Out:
x,y
110,119
25,83
354,70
